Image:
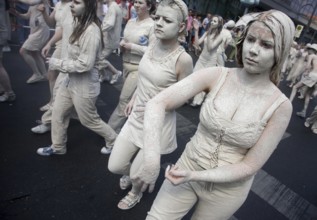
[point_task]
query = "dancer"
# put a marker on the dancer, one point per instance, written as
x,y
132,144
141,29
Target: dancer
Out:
x,y
53,20
39,34
299,65
81,87
61,34
312,119
289,62
163,64
137,35
208,57
111,28
242,121
8,95
308,80
226,40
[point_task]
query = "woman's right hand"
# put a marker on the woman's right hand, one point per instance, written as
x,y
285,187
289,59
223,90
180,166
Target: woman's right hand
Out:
x,y
196,24
128,108
46,50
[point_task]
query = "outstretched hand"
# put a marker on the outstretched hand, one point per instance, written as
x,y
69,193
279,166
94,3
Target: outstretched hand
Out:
x,y
196,24
148,174
177,176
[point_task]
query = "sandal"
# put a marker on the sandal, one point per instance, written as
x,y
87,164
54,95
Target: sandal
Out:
x,y
125,182
129,201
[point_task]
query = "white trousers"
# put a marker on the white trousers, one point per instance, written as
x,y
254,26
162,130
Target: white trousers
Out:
x,y
65,101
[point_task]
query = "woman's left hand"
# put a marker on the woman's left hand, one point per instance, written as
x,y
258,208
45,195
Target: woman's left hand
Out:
x,y
148,173
177,176
126,45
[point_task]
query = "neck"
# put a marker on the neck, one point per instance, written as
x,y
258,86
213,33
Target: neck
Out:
x,y
143,16
253,80
168,44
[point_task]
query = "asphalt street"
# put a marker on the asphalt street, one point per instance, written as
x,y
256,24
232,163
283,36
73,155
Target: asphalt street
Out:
x,y
79,186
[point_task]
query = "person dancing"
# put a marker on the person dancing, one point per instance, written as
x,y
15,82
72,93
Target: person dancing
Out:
x,y
164,63
242,121
81,87
39,34
212,40
138,33
53,20
8,94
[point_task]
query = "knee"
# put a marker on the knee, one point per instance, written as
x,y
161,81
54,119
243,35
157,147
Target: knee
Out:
x,y
22,51
114,166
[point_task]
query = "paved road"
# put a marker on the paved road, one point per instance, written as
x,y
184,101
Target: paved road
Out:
x,y
79,186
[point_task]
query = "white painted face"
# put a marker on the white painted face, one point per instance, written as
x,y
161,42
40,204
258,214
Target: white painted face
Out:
x,y
167,23
258,49
77,8
141,7
214,22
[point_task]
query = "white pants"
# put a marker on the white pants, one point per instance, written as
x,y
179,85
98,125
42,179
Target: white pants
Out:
x,y
120,160
65,100
118,118
213,201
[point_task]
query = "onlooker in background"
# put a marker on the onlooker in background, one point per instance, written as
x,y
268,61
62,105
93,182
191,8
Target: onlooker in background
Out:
x,y
205,23
189,28
20,24
8,94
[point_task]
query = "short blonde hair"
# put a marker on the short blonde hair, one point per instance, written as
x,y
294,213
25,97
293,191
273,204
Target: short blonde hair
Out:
x,y
178,4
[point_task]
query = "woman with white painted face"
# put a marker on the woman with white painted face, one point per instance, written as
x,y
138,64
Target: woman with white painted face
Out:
x,y
242,121
164,63
137,35
212,40
81,86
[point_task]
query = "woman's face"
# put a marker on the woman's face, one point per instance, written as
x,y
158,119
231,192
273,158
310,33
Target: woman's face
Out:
x,y
141,7
167,23
258,49
214,22
77,8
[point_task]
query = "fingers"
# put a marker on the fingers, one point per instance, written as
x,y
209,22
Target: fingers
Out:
x,y
44,52
127,111
144,187
167,170
151,188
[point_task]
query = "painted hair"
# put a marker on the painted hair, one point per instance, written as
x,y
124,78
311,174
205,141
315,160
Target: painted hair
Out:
x,y
217,29
179,5
283,30
152,4
81,23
